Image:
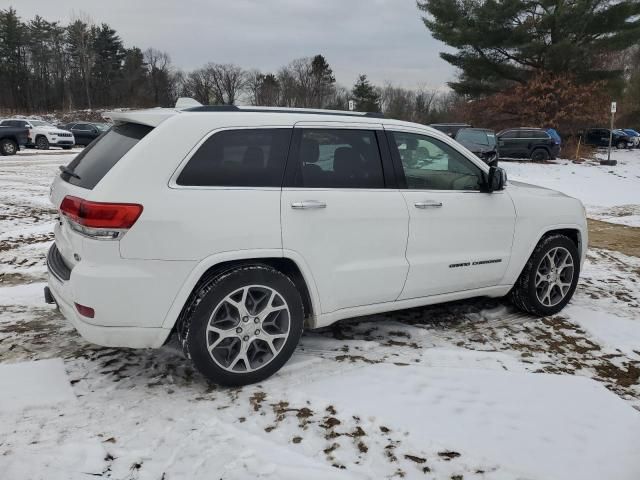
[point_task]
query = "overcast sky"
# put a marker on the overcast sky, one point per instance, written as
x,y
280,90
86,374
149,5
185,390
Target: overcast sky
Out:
x,y
384,39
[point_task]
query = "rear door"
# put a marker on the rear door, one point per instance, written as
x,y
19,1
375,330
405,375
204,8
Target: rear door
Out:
x,y
508,144
342,216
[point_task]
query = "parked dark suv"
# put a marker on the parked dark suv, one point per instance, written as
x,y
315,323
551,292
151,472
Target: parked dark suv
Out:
x,y
85,132
599,137
533,143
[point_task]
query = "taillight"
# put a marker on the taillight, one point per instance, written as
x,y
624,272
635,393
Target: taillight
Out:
x,y
98,219
85,311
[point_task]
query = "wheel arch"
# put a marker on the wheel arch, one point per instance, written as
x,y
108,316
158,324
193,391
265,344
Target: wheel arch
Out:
x,y
541,147
576,232
289,264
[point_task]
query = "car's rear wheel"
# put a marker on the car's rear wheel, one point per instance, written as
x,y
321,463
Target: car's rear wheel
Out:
x,y
42,143
550,277
539,155
243,325
8,147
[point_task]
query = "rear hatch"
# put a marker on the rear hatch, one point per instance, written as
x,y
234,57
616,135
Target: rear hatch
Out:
x,y
77,179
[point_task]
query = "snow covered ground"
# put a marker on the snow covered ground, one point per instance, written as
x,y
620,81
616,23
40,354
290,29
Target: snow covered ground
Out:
x,y
611,193
471,390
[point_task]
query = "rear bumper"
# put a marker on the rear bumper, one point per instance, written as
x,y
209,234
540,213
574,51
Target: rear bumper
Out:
x,y
129,337
131,298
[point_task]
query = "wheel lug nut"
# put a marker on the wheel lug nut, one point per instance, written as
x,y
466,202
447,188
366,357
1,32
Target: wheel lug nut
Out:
x,y
257,320
257,332
245,338
245,319
238,330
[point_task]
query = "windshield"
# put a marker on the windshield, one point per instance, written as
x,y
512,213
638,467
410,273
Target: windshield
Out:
x,y
619,132
632,132
103,127
40,123
482,137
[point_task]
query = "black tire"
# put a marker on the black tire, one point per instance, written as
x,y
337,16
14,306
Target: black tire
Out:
x,y
66,148
539,155
8,147
192,327
621,145
524,294
42,143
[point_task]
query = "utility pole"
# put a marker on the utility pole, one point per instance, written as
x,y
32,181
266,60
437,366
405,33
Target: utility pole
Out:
x,y
608,161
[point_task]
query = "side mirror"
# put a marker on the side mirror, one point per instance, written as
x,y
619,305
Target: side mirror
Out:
x,y
496,179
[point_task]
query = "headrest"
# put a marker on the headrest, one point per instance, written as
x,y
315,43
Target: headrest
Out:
x,y
309,150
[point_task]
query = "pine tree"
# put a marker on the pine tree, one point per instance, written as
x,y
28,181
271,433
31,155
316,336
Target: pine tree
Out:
x,y
108,56
505,42
365,95
133,78
322,81
13,72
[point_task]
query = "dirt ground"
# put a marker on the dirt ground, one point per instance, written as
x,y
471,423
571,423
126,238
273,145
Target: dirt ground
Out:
x,y
616,237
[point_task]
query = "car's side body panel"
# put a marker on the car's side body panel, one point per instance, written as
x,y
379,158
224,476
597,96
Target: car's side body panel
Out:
x,y
360,255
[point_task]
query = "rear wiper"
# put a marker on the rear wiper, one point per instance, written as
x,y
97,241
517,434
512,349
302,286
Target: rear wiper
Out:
x,y
66,170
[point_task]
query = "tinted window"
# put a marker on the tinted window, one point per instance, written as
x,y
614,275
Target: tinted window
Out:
x,y
482,137
509,134
239,158
81,126
97,159
533,134
331,158
430,164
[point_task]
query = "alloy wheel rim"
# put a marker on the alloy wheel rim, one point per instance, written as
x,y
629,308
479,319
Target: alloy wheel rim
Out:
x,y
9,148
554,276
248,329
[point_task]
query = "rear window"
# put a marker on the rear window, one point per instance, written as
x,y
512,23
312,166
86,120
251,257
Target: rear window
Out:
x,y
93,163
239,158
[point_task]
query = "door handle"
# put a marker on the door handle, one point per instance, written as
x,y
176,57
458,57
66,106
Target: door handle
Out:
x,y
428,204
308,205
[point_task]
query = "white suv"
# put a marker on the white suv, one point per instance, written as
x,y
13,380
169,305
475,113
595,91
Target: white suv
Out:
x,y
236,227
42,134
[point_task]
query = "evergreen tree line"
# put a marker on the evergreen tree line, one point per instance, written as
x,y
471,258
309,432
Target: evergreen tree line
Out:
x,y
48,66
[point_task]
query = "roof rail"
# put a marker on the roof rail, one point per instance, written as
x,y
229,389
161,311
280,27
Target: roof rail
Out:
x,y
307,111
213,108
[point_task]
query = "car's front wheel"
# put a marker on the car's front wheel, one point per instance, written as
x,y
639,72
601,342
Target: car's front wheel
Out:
x,y
549,278
42,143
243,326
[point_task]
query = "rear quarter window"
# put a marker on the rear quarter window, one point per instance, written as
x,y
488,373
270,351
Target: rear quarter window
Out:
x,y
93,163
239,158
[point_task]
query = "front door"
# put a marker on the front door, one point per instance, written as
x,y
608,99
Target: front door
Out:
x,y
459,237
338,215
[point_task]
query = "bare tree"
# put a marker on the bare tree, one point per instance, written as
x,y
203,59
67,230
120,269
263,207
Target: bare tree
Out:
x,y
228,82
159,66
